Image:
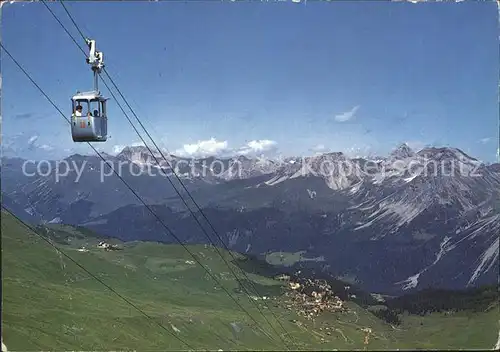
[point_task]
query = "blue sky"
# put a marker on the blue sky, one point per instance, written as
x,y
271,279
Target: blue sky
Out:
x,y
294,78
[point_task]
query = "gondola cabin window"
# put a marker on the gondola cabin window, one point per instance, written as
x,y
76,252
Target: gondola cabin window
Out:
x,y
95,108
84,103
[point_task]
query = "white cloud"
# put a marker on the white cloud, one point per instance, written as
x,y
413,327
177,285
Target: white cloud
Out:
x,y
12,145
214,147
318,148
257,146
46,147
485,140
32,140
69,150
210,147
348,115
359,151
138,144
32,144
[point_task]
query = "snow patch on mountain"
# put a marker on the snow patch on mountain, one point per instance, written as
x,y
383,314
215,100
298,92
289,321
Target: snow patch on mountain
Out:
x,y
245,168
277,179
397,214
410,178
489,258
355,189
412,281
335,169
312,194
30,210
56,220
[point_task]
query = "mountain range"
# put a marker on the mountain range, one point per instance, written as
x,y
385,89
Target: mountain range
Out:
x,y
398,223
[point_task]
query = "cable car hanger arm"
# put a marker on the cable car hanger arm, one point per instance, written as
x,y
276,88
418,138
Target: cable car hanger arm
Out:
x,y
95,57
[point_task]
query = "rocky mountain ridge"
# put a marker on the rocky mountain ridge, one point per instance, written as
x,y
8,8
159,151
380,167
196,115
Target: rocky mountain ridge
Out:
x,y
395,223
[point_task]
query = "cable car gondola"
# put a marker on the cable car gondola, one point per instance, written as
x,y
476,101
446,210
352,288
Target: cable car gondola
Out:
x,y
89,120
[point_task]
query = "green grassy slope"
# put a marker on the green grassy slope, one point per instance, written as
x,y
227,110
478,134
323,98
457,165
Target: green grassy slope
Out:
x,y
50,303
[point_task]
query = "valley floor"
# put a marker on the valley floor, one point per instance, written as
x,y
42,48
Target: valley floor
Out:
x,y
51,303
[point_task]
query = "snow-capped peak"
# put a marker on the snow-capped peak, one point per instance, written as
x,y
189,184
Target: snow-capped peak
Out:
x,y
446,153
402,152
142,156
